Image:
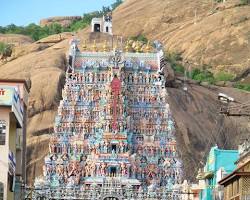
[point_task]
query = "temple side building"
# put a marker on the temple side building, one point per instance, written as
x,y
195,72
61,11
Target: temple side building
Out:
x,y
237,184
103,25
13,105
219,163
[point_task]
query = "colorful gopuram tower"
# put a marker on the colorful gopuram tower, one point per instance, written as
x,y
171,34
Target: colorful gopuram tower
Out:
x,y
114,136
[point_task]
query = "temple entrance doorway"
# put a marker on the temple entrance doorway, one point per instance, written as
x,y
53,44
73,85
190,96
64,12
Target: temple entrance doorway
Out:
x,y
110,198
107,29
97,28
113,148
113,171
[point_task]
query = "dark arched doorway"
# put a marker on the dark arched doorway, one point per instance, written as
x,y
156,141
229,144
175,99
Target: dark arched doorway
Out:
x,y
110,198
97,28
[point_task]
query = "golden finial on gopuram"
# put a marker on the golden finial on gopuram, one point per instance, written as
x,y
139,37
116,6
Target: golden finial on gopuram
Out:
x,y
127,47
84,46
137,47
105,46
116,44
148,47
94,46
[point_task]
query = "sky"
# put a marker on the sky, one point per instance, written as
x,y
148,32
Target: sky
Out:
x,y
24,12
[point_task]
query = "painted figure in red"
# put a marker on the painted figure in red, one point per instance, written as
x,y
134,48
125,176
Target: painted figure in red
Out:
x,y
116,89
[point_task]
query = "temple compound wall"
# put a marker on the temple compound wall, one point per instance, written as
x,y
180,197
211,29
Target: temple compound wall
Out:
x,y
114,135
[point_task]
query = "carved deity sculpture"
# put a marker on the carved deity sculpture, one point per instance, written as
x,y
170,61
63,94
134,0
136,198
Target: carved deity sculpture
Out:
x,y
77,179
60,170
123,169
103,169
134,170
92,169
44,171
105,148
87,170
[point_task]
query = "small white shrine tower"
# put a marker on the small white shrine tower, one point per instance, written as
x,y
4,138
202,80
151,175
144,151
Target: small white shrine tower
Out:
x,y
103,24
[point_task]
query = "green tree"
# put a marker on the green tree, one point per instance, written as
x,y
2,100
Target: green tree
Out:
x,y
33,31
5,49
202,76
141,38
76,25
55,28
2,47
2,29
224,76
105,10
245,2
116,4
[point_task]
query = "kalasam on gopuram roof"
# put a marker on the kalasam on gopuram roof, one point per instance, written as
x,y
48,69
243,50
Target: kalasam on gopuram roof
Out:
x,y
114,136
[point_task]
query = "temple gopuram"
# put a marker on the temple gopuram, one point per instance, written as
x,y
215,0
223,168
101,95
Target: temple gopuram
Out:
x,y
114,136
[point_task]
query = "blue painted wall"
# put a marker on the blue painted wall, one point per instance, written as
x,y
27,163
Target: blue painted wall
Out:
x,y
218,158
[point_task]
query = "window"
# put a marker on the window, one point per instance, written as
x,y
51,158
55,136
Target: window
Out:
x,y
1,190
237,186
11,182
2,132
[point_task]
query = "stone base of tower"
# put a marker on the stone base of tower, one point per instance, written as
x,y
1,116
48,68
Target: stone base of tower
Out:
x,y
108,188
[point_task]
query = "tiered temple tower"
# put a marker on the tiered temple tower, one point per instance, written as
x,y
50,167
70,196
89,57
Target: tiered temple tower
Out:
x,y
114,134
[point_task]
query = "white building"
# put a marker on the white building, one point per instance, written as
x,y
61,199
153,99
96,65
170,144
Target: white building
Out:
x,y
103,24
13,106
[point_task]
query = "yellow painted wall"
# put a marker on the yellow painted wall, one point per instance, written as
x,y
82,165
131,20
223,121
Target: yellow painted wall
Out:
x,y
12,146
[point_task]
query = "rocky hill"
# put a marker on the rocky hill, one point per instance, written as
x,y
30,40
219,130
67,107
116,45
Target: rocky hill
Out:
x,y
65,21
204,32
218,37
200,126
15,39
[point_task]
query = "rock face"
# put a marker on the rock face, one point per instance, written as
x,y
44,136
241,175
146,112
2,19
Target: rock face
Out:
x,y
15,39
64,21
200,126
203,32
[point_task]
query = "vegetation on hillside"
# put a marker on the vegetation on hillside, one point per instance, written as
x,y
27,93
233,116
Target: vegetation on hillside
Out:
x,y
243,86
5,48
202,74
37,32
5,51
2,47
175,60
141,38
244,2
34,31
